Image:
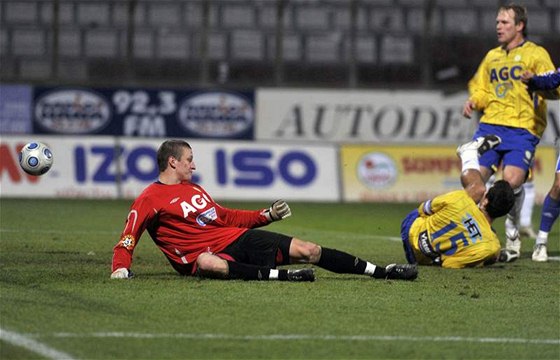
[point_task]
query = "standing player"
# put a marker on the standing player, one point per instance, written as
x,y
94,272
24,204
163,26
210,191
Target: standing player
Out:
x,y
454,230
550,212
198,236
510,111
551,204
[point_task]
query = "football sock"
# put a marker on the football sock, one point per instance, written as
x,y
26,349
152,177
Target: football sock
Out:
x,y
527,206
550,212
253,272
515,212
341,262
542,238
469,160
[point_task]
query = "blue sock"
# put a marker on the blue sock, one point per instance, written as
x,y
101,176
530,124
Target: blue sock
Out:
x,y
550,212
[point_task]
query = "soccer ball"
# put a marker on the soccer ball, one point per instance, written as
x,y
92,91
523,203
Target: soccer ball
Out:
x,y
35,158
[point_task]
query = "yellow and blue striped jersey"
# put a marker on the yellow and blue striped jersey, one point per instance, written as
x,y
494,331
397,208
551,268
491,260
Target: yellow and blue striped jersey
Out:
x,y
497,89
453,227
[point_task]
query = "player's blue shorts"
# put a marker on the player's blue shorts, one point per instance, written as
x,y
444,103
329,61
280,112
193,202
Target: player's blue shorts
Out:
x,y
517,147
405,231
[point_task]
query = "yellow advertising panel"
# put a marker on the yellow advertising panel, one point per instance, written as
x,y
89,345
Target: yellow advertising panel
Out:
x,y
395,173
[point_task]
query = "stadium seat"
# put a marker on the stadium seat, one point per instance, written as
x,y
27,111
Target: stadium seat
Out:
x,y
291,47
143,44
101,43
237,17
366,49
323,48
93,14
247,45
173,45
342,19
21,13
397,50
217,46
540,22
459,21
312,18
33,69
29,42
387,20
552,3
166,14
69,43
452,3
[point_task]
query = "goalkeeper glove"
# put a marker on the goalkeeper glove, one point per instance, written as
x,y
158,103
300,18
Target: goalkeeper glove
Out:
x,y
122,273
277,211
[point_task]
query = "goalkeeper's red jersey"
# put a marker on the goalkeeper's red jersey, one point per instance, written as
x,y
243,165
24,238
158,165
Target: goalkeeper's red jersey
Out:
x,y
184,221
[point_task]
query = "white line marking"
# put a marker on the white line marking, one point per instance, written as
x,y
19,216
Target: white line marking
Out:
x,y
32,345
287,337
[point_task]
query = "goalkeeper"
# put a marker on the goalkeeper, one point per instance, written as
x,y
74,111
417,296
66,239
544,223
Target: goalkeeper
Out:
x,y
200,237
454,230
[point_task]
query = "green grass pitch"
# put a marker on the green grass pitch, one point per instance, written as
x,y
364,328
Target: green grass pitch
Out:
x,y
56,295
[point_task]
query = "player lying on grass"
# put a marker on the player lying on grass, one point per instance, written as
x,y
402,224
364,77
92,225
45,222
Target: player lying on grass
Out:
x,y
454,230
198,236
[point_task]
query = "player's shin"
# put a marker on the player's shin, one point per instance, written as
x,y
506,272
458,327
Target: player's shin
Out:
x,y
513,242
343,263
253,272
248,272
514,214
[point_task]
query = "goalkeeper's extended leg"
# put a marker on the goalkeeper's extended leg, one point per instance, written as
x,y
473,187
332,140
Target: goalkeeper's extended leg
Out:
x,y
212,266
343,263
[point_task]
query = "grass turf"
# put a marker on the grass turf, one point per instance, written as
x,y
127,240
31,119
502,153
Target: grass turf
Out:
x,y
55,258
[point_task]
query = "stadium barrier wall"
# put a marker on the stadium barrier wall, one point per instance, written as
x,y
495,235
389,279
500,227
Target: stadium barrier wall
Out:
x,y
116,167
371,116
249,145
241,170
377,173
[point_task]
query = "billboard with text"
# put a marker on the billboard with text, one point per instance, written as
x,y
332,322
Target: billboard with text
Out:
x,y
417,173
109,167
371,116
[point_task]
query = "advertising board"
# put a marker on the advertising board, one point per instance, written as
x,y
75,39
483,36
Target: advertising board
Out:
x,y
416,173
109,167
144,112
371,116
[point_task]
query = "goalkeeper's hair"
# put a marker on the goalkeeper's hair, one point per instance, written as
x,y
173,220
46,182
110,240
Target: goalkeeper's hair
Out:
x,y
500,199
520,15
170,148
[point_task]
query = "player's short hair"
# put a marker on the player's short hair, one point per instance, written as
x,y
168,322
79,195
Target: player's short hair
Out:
x,y
500,199
170,148
520,15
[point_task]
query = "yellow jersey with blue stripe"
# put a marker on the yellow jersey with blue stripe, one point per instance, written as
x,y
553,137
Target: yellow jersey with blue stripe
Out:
x,y
452,227
497,89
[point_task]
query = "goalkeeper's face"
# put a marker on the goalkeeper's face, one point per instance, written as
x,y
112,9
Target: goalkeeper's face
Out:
x,y
184,166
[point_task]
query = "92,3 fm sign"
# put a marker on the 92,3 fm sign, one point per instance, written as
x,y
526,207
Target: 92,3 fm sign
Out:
x,y
243,168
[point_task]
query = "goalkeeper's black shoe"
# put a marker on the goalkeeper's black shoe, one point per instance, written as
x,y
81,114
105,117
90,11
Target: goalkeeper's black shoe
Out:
x,y
306,274
401,271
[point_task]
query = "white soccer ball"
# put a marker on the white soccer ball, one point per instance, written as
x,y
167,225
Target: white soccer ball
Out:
x,y
36,158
